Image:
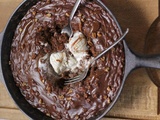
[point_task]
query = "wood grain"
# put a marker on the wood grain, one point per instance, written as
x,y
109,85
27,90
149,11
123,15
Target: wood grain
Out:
x,y
12,114
139,98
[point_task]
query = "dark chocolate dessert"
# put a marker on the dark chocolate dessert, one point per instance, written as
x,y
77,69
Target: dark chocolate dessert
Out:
x,y
38,37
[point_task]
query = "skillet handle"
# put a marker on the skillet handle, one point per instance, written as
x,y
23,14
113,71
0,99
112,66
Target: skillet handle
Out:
x,y
152,61
1,74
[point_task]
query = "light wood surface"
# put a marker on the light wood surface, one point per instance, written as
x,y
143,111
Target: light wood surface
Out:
x,y
139,98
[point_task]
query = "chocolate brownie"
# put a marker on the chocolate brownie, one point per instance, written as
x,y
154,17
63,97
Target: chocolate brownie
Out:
x,y
38,35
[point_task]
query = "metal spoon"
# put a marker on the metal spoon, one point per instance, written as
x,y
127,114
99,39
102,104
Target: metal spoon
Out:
x,y
84,73
68,29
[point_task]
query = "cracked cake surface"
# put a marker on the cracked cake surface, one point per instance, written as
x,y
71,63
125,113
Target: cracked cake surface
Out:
x,y
38,35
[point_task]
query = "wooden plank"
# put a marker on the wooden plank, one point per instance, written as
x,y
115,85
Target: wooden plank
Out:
x,y
5,99
137,15
12,114
6,9
158,112
108,118
139,98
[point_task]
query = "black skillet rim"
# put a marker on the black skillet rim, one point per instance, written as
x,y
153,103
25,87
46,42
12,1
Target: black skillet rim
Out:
x,y
7,74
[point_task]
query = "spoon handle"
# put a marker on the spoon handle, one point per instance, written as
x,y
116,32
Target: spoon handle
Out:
x,y
74,9
102,53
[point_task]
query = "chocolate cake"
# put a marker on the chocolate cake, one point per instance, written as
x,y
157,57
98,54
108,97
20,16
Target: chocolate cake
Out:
x,y
38,35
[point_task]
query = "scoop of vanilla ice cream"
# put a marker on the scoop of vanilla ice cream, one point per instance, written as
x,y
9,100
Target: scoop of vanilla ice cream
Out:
x,y
58,61
63,61
78,46
72,63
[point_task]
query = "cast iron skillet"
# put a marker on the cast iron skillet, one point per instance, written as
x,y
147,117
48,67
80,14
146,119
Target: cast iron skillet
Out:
x,y
132,61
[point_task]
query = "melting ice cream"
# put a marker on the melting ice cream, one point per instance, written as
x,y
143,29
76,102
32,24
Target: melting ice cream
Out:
x,y
74,58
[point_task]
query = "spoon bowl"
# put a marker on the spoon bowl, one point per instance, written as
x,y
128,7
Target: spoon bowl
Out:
x,y
68,29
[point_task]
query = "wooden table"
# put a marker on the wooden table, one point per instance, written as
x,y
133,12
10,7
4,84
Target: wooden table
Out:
x,y
139,98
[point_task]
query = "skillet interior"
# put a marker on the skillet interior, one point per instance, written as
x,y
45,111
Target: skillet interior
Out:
x,y
9,81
